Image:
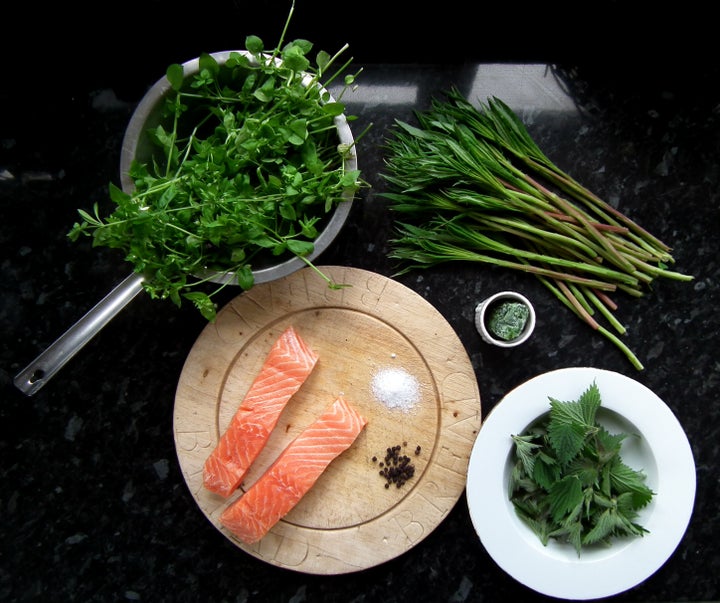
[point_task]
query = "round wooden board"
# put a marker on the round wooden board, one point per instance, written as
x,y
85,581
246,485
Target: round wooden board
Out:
x,y
348,521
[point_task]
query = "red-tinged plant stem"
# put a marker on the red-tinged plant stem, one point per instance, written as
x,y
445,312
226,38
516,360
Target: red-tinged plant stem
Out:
x,y
634,291
627,352
628,246
481,241
568,208
538,236
605,311
599,225
580,296
605,299
581,193
566,228
439,252
575,304
613,253
653,271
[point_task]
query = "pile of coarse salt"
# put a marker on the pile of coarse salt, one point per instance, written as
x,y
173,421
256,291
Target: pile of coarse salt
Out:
x,y
395,388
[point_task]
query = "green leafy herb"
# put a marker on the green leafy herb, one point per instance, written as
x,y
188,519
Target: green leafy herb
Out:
x,y
507,320
247,169
469,184
569,482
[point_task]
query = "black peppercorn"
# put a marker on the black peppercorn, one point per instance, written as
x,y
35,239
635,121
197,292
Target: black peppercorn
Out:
x,y
397,468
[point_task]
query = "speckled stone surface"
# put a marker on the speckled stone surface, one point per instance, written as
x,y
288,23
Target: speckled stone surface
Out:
x,y
93,504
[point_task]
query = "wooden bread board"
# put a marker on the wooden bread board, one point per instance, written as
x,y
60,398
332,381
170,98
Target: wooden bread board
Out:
x,y
348,521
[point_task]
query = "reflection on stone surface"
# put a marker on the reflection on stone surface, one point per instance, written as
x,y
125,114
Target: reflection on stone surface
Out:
x,y
378,95
535,87
522,87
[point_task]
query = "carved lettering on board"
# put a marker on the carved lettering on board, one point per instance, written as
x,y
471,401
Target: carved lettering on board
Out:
x,y
437,498
192,440
289,552
451,461
411,528
373,292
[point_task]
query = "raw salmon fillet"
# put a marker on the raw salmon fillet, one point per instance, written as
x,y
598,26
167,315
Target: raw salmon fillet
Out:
x,y
287,366
293,473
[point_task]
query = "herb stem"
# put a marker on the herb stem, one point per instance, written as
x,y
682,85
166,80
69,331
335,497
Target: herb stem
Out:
x,y
605,311
472,185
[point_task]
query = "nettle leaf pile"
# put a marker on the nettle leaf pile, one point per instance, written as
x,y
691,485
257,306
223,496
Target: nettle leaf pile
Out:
x,y
247,168
470,184
569,482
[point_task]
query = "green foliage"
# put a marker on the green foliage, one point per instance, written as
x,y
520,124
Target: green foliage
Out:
x,y
469,184
569,482
246,172
507,320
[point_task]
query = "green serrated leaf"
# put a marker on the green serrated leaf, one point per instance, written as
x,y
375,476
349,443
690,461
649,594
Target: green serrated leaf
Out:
x,y
525,449
591,498
566,437
627,480
570,530
589,402
605,525
585,469
565,497
540,526
608,445
572,422
546,471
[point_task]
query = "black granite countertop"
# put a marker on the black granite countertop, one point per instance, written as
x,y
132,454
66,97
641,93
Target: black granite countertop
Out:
x,y
93,504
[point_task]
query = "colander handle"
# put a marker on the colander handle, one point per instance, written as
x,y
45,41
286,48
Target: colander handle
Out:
x,y
41,370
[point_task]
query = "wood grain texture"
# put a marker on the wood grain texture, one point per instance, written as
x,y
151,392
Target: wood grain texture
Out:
x,y
348,521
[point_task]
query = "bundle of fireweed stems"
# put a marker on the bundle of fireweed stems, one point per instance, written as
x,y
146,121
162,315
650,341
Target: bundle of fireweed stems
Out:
x,y
470,184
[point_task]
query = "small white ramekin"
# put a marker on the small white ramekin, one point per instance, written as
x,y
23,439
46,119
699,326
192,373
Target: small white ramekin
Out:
x,y
481,325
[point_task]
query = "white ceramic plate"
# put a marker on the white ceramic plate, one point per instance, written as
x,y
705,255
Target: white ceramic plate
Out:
x,y
662,452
